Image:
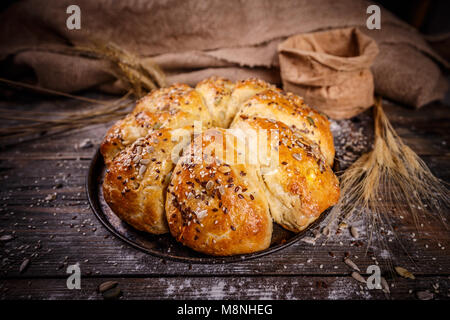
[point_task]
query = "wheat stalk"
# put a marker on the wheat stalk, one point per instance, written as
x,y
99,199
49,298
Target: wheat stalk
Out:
x,y
389,179
138,76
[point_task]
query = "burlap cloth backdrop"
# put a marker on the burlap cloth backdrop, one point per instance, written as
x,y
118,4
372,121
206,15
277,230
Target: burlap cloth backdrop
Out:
x,y
193,39
330,70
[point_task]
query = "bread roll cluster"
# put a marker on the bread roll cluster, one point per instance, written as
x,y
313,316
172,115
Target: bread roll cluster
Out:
x,y
218,164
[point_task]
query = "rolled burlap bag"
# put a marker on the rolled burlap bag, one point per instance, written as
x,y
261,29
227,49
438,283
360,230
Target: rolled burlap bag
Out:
x,y
331,70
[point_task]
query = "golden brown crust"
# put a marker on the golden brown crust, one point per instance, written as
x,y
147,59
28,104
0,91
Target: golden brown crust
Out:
x,y
214,207
174,107
219,204
216,93
136,181
292,111
244,90
299,183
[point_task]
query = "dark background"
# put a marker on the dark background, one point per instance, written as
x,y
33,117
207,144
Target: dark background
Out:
x,y
429,16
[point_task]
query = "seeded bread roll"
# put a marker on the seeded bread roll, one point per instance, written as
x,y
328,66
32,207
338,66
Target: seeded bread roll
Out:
x,y
292,111
174,107
223,202
244,90
215,207
298,182
216,93
136,181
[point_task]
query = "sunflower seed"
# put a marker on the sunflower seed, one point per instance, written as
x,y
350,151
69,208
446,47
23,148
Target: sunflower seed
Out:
x,y
351,264
6,237
144,161
201,214
425,295
142,170
86,143
325,231
404,273
385,285
358,277
354,232
112,293
137,158
24,265
209,185
309,240
105,286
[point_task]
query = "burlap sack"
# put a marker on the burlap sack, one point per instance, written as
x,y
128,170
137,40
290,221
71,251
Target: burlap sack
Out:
x,y
192,39
330,69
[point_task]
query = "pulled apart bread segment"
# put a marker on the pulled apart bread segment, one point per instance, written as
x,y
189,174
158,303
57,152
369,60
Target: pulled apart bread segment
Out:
x,y
291,110
174,107
244,90
224,98
215,207
216,93
136,181
298,182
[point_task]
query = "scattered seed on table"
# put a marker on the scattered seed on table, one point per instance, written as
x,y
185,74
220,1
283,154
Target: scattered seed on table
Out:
x,y
358,277
404,273
85,144
385,285
425,295
354,232
105,286
113,293
6,237
351,264
24,265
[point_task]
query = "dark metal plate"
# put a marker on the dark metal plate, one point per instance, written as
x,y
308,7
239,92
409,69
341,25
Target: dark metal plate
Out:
x,y
165,246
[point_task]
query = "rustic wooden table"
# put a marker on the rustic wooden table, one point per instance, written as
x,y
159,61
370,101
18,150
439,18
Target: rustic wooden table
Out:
x,y
56,231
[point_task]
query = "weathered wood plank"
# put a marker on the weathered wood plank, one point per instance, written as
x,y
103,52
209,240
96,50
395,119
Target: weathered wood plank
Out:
x,y
67,228
292,288
62,231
